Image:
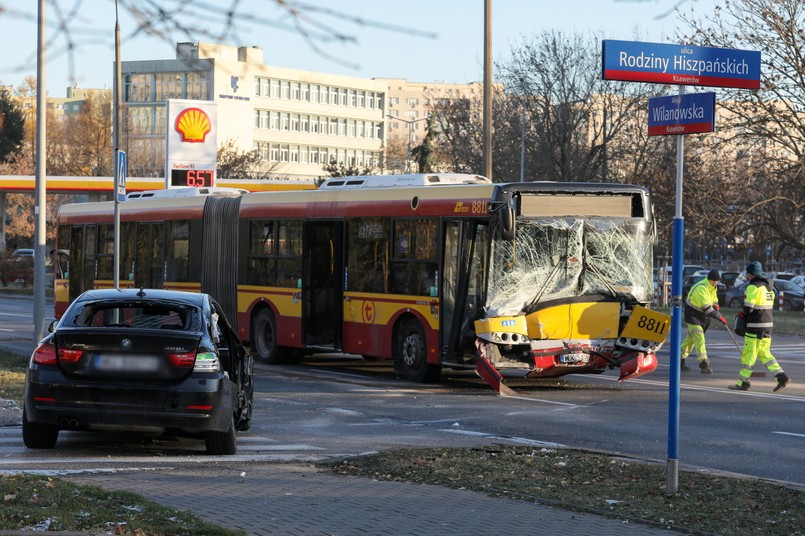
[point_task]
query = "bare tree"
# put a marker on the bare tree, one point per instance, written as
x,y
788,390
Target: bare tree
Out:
x,y
763,141
235,164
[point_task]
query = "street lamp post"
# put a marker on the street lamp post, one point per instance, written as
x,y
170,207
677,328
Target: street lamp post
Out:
x,y
410,125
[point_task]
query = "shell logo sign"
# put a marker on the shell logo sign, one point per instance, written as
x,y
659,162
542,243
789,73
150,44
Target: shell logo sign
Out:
x,y
193,124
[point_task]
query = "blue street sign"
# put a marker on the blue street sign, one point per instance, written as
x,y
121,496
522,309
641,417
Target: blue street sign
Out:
x,y
120,177
682,114
680,64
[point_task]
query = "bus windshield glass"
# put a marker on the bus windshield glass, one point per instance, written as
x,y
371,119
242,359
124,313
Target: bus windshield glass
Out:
x,y
554,259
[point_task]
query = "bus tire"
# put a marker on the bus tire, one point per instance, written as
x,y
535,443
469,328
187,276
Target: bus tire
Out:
x,y
264,339
412,356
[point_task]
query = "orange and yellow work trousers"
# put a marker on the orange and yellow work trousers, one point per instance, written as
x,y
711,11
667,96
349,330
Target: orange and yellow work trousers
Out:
x,y
694,340
754,349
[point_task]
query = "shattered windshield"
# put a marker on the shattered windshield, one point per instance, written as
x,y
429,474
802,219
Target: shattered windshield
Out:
x,y
555,259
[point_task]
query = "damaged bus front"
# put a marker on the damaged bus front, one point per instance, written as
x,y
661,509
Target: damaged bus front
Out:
x,y
569,282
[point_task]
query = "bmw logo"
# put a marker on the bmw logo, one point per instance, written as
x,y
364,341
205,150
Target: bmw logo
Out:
x,y
125,344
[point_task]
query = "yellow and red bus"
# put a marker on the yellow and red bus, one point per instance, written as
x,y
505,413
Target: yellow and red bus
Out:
x,y
537,279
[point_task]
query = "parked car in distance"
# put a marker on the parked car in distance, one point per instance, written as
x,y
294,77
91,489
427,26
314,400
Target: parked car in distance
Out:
x,y
729,278
23,252
149,361
786,276
689,281
798,280
793,297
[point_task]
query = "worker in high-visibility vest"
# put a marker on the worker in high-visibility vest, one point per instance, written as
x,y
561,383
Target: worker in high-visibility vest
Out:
x,y
757,313
701,305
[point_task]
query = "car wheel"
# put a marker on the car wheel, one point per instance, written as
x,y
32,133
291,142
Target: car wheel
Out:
x,y
222,443
264,339
411,354
736,303
38,436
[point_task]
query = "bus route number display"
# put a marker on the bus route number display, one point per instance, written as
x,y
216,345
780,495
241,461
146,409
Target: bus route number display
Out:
x,y
195,178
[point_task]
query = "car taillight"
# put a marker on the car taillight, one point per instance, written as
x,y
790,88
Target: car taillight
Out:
x,y
45,354
184,359
207,362
69,356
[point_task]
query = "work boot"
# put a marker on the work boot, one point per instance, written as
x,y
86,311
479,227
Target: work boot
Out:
x,y
782,381
684,366
740,386
705,367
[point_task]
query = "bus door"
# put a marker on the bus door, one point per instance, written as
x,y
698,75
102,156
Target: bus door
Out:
x,y
82,259
462,284
323,284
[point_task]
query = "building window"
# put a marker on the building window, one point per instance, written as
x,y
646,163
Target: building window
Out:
x,y
333,95
361,99
275,121
351,128
303,151
342,127
314,155
314,125
265,87
275,89
412,101
394,113
305,123
305,92
333,127
295,91
257,81
275,152
394,100
295,122
285,90
314,93
283,153
285,121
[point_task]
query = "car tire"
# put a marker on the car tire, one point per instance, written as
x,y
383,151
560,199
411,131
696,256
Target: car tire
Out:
x,y
264,339
736,303
38,436
222,443
411,354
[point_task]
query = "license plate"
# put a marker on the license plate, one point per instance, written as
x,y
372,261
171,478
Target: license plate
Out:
x,y
573,358
127,363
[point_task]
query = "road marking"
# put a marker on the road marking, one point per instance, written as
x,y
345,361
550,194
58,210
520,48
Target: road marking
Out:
x,y
789,433
723,390
510,439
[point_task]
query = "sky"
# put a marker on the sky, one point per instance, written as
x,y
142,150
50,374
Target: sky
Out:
x,y
418,40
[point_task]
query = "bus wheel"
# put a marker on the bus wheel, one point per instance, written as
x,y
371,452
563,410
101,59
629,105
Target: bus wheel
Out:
x,y
412,355
264,339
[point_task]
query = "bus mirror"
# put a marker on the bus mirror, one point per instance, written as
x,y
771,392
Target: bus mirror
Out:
x,y
507,226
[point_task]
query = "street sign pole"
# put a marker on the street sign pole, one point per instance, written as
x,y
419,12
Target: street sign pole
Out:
x,y
678,255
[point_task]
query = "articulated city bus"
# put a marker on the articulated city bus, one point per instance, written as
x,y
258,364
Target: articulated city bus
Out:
x,y
535,279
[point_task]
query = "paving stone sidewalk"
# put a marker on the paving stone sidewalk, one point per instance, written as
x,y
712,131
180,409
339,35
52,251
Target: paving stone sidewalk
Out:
x,y
295,499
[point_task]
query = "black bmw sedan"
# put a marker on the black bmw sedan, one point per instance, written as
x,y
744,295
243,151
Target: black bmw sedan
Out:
x,y
150,361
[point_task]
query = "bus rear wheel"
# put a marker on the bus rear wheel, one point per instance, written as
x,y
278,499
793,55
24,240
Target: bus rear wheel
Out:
x,y
411,354
264,339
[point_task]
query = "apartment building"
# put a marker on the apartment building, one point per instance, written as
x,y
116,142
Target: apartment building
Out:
x,y
408,107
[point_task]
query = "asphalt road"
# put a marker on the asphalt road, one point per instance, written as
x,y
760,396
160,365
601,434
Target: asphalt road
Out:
x,y
335,406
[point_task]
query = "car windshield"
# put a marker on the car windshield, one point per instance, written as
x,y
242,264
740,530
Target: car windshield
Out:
x,y
136,315
550,260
